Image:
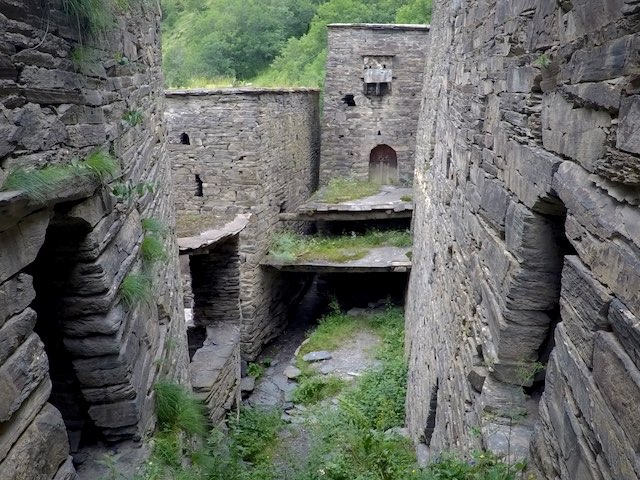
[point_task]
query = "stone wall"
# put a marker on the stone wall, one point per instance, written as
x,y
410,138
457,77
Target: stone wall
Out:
x,y
254,151
67,246
526,246
351,132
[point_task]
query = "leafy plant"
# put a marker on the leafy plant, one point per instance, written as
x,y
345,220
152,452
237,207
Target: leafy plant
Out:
x,y
126,190
543,61
254,433
135,288
133,117
255,370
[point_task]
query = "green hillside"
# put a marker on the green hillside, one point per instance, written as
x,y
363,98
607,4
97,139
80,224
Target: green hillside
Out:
x,y
263,42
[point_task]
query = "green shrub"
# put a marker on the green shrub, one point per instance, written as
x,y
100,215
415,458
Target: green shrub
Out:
x,y
255,370
135,288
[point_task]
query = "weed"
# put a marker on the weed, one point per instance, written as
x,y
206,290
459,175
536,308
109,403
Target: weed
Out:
x,y
254,433
289,247
345,189
152,250
133,117
135,288
406,198
255,370
127,190
543,61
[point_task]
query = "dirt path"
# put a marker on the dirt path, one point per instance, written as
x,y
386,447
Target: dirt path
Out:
x,y
274,390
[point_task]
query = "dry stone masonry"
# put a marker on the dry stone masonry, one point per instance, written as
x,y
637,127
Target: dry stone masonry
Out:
x,y
372,101
77,362
246,151
527,244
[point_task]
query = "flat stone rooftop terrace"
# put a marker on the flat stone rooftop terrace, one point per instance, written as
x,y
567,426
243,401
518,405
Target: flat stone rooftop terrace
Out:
x,y
380,259
389,202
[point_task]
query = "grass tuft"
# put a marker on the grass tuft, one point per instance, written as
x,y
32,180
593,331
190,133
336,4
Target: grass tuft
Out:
x,y
154,226
90,16
178,410
135,288
101,164
39,184
289,247
152,250
345,189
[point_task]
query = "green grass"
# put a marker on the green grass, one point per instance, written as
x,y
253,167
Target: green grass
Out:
x,y
135,288
101,164
152,250
345,189
154,226
406,198
39,184
313,388
289,247
178,410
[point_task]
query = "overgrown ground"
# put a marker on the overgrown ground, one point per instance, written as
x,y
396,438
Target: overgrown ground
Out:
x,y
345,189
354,427
290,247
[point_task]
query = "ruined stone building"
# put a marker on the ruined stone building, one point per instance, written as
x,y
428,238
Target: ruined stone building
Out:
x,y
372,101
527,242
523,301
80,351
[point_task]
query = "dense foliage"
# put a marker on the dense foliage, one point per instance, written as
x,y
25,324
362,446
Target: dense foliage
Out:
x,y
276,42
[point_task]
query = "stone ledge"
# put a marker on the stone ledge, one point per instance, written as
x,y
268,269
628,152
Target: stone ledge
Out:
x,y
382,259
382,26
211,238
200,92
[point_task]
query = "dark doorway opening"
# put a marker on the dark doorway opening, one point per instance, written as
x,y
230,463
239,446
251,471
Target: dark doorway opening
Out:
x,y
52,273
184,139
383,165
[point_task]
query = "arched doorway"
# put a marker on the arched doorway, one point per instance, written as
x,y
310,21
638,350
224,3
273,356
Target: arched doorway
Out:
x,y
383,165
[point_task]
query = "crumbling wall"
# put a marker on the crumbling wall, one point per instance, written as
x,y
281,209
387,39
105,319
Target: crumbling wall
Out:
x,y
63,97
354,122
526,248
256,152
